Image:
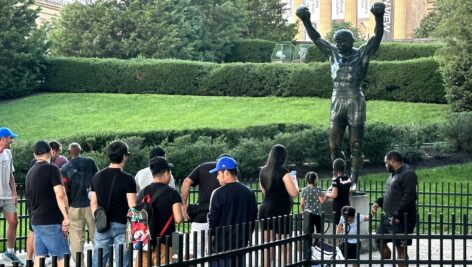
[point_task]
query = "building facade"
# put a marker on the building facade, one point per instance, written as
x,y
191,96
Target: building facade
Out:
x,y
401,18
49,9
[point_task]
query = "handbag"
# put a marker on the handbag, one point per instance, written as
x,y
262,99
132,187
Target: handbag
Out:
x,y
100,214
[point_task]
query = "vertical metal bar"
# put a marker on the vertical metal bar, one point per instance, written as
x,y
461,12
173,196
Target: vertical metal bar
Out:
x,y
111,256
158,250
167,251
149,255
177,248
453,236
464,239
42,262
140,254
89,258
99,257
417,240
441,234
121,255
78,257
429,238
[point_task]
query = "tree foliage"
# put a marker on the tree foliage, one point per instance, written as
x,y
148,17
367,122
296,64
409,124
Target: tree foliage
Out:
x,y
456,56
22,48
339,25
428,24
266,21
184,29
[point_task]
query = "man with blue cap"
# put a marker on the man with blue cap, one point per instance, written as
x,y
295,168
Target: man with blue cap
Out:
x,y
232,204
8,196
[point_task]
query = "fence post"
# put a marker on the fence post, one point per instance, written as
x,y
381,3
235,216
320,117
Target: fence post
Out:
x,y
177,247
307,232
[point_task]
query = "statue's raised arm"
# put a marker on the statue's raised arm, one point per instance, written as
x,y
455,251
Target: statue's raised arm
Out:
x,y
304,14
373,44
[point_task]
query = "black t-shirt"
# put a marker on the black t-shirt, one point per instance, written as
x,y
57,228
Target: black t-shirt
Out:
x,y
343,183
206,183
232,204
40,182
77,175
162,208
102,186
276,192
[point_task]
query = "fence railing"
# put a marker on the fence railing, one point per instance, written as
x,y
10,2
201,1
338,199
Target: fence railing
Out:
x,y
229,247
434,199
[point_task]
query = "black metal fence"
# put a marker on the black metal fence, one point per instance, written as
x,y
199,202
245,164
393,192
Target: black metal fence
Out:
x,y
444,213
445,248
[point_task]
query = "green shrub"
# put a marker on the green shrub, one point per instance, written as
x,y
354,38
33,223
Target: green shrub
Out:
x,y
250,146
186,152
251,50
388,51
413,80
458,131
125,76
410,81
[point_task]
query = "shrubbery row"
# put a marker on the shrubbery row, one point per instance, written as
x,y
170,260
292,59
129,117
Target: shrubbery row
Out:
x,y
413,80
388,51
250,146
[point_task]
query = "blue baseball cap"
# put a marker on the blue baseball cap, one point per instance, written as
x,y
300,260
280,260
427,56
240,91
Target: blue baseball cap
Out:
x,y
5,132
225,163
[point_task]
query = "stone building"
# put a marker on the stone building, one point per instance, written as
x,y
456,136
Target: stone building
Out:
x,y
401,18
49,9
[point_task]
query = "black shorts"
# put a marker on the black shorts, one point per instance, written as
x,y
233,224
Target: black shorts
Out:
x,y
276,217
386,227
352,252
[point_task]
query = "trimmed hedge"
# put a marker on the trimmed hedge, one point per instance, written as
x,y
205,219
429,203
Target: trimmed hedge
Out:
x,y
250,146
388,51
251,50
68,74
413,80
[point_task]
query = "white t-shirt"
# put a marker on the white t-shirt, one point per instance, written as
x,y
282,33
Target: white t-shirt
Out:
x,y
6,169
144,178
352,227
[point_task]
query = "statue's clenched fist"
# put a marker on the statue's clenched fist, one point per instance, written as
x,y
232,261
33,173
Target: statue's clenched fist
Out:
x,y
303,13
378,9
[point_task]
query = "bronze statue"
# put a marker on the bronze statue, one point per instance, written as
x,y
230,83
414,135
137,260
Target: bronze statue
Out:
x,y
348,70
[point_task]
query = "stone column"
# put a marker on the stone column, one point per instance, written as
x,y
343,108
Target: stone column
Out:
x,y
325,18
351,11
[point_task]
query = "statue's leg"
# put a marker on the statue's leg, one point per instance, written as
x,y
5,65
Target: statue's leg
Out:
x,y
336,133
356,136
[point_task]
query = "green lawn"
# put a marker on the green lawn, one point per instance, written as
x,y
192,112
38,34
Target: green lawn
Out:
x,y
56,115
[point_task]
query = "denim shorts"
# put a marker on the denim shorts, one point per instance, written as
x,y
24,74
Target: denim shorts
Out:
x,y
49,239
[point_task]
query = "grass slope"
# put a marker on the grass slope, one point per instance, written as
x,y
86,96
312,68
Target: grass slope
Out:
x,y
55,115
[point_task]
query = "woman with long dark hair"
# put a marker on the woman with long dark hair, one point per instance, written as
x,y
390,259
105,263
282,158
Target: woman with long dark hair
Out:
x,y
278,187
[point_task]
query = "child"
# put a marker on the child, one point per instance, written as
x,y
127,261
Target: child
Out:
x,y
311,199
349,215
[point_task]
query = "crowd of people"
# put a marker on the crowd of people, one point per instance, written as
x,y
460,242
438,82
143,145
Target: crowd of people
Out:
x,y
64,195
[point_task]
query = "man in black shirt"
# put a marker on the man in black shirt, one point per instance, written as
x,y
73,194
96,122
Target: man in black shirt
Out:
x,y
48,204
77,175
115,191
399,199
232,204
166,209
206,183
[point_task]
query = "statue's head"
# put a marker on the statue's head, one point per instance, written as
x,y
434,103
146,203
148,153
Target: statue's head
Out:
x,y
344,40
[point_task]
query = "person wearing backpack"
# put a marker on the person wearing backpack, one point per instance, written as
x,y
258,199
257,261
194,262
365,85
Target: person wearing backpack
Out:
x,y
165,211
77,175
